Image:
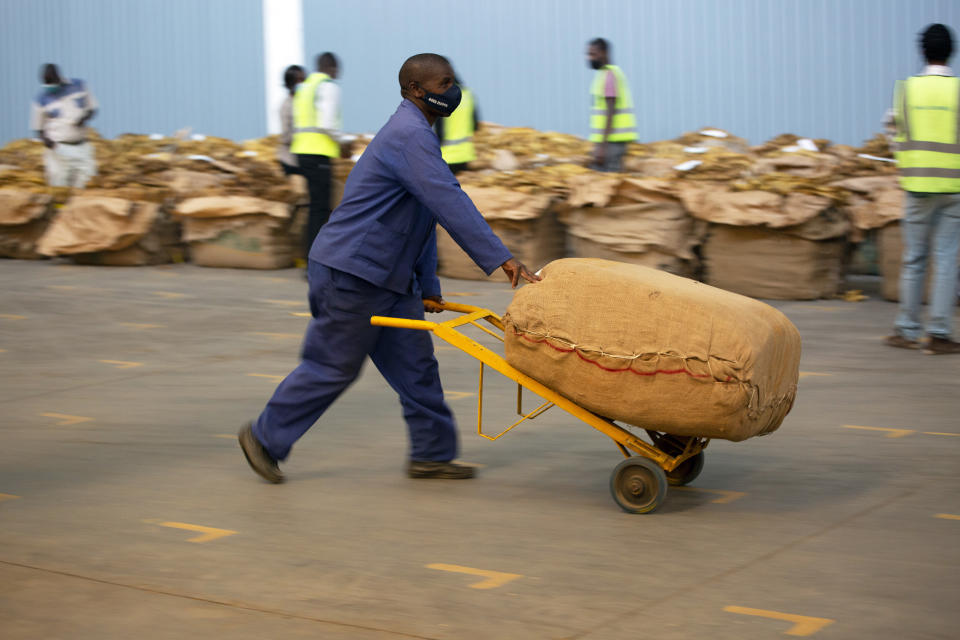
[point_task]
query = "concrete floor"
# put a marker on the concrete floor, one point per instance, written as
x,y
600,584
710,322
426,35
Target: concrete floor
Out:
x,y
121,390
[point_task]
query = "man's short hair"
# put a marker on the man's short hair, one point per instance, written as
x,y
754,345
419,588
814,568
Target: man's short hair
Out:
x,y
417,67
936,42
327,60
290,75
601,44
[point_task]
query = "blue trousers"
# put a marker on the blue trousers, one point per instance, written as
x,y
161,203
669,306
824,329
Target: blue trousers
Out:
x,y
337,343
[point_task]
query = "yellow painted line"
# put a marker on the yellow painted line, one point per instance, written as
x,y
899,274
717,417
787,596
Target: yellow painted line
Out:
x,y
726,497
287,303
807,374
66,419
266,375
7,496
300,314
277,336
891,433
802,625
940,433
12,316
457,395
170,295
947,516
492,579
461,294
274,279
122,364
207,533
3,350
141,325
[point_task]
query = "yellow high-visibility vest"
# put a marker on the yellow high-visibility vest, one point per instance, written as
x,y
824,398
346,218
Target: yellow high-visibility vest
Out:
x,y
308,136
457,144
624,123
927,113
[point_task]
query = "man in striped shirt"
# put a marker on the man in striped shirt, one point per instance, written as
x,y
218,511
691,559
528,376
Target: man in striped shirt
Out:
x,y
59,116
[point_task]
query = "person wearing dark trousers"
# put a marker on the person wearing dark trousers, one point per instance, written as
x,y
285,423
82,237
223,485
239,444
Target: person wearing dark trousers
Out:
x,y
292,76
317,138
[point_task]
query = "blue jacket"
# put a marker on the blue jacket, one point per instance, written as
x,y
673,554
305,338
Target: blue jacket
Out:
x,y
384,229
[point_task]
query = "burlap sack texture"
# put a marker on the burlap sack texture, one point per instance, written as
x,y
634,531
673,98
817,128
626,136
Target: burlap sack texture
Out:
x,y
237,231
655,350
24,216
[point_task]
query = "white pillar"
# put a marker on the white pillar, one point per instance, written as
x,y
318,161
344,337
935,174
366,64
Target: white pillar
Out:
x,y
282,46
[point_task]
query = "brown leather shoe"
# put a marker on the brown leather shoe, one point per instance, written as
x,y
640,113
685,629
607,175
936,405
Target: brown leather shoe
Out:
x,y
260,461
441,470
897,340
941,346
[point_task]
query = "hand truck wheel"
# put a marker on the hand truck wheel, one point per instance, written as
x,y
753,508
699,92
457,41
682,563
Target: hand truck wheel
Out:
x,y
687,471
638,485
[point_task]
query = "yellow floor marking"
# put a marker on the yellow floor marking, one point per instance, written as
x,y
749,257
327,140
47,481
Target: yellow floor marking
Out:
x,y
804,374
12,316
277,336
947,516
940,433
122,364
726,497
141,325
207,533
493,579
66,419
457,395
225,435
3,350
7,496
169,294
287,303
461,294
891,433
266,375
300,314
275,279
802,625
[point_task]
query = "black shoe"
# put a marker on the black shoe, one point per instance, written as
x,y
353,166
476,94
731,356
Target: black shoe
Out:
x,y
442,470
260,461
941,346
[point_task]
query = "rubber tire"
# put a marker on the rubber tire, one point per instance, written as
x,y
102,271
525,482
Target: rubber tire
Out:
x,y
638,474
687,472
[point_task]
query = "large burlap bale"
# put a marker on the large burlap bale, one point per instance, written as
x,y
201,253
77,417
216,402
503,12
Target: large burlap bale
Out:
x,y
763,263
93,223
526,223
654,350
24,217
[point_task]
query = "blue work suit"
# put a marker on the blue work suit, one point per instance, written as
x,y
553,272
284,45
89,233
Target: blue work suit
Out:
x,y
377,255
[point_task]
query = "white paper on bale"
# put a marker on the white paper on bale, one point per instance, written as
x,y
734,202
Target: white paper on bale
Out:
x,y
713,133
688,165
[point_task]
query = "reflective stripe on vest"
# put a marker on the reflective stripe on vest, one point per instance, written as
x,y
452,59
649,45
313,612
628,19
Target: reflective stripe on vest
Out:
x,y
308,138
624,123
457,144
927,144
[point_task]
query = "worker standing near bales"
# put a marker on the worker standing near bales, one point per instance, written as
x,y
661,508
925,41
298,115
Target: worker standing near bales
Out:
x,y
59,116
927,112
612,123
292,77
456,132
378,256
318,137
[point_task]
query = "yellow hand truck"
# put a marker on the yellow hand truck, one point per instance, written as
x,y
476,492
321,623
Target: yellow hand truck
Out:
x,y
639,483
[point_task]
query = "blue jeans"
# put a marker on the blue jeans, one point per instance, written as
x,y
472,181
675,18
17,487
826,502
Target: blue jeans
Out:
x,y
931,233
339,339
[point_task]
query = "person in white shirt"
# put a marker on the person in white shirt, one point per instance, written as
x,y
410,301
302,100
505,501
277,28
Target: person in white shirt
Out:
x,y
59,116
292,76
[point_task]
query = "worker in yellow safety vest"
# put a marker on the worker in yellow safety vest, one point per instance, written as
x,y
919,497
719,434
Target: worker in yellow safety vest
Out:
x,y
456,132
612,123
317,137
926,111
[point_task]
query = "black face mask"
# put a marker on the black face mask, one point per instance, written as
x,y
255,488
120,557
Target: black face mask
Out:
x,y
594,64
444,103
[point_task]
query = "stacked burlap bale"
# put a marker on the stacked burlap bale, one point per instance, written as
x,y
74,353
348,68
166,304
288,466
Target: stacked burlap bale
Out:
x,y
24,217
654,350
526,223
767,245
108,228
635,220
237,231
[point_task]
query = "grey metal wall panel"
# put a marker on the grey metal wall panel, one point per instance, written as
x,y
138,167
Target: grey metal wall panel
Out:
x,y
154,65
821,68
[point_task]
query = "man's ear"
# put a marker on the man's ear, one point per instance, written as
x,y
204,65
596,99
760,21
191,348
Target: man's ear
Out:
x,y
414,90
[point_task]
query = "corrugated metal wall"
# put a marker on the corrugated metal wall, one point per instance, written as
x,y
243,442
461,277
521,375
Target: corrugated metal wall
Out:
x,y
154,65
821,68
